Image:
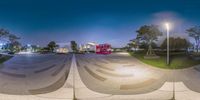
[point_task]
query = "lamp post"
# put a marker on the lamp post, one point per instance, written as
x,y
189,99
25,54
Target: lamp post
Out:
x,y
167,27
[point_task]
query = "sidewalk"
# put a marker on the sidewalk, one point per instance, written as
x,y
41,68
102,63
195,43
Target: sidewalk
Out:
x,y
83,93
63,93
164,93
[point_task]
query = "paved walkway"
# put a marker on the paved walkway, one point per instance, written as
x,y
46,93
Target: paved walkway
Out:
x,y
163,93
83,93
65,92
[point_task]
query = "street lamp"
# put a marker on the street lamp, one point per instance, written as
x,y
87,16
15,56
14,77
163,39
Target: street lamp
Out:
x,y
167,27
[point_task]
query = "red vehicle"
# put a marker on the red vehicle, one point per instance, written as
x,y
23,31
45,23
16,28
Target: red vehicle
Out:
x,y
103,49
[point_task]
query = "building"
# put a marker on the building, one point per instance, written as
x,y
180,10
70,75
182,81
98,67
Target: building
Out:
x,y
63,48
103,49
96,48
91,47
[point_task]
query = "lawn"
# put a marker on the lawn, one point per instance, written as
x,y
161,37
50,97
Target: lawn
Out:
x,y
177,60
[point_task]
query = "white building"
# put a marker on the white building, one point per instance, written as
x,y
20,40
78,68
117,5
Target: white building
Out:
x,y
63,48
88,47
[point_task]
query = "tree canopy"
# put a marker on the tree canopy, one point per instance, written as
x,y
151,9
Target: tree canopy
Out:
x,y
175,43
3,33
52,45
12,40
148,34
74,46
194,32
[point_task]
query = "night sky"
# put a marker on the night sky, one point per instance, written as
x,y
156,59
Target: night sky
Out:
x,y
101,21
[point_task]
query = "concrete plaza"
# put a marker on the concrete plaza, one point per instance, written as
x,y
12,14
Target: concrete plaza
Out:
x,y
90,76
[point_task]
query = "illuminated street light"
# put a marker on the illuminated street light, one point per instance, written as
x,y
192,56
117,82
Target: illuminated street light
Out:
x,y
167,27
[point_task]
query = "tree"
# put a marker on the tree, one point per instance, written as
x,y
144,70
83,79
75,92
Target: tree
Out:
x,y
52,45
134,43
14,45
13,38
74,46
149,34
176,43
3,33
194,32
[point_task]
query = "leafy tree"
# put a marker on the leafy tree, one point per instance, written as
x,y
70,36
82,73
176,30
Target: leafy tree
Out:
x,y
52,45
74,46
3,33
13,38
149,34
133,44
176,43
35,48
15,46
194,32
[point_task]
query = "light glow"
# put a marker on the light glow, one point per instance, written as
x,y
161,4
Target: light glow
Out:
x,y
123,53
136,72
124,70
167,26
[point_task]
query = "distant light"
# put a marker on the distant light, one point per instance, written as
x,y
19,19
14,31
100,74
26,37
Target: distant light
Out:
x,y
28,45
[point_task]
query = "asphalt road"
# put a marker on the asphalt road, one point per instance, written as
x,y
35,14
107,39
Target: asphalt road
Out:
x,y
34,74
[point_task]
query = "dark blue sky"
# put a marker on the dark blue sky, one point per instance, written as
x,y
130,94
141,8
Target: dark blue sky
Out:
x,y
111,21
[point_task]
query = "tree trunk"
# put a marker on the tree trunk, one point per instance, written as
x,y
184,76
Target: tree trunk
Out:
x,y
150,50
